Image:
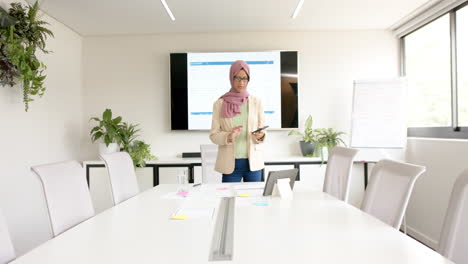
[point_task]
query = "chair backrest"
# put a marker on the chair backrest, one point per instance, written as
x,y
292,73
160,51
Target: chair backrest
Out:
x,y
208,158
7,252
67,195
453,241
122,177
338,173
389,190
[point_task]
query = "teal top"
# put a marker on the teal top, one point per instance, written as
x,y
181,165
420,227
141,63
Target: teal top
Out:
x,y
241,140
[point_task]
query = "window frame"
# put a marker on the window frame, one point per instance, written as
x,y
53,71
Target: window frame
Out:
x,y
454,131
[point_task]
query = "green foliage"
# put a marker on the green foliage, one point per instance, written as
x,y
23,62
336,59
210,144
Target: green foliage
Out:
x,y
128,133
8,71
107,128
328,138
140,153
29,27
309,134
322,137
5,19
21,34
124,134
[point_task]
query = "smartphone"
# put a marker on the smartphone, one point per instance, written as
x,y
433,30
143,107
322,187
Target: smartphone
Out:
x,y
260,129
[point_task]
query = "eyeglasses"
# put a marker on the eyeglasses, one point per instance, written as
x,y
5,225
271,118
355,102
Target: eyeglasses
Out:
x,y
241,79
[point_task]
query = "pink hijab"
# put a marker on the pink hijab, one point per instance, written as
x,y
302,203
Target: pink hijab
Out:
x,y
232,99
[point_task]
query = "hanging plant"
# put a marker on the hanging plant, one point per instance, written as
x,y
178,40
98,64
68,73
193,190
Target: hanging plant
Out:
x,y
21,34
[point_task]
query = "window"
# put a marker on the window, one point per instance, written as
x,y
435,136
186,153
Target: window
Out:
x,y
462,65
435,62
427,57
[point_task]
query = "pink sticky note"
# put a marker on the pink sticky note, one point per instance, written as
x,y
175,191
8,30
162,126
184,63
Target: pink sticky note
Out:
x,y
182,193
222,189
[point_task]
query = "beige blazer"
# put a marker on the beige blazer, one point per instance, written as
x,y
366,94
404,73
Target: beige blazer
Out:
x,y
221,127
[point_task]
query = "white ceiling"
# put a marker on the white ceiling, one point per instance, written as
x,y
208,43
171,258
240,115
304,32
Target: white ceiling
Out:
x,y
104,17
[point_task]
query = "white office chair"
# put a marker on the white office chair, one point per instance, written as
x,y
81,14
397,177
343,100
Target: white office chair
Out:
x,y
389,190
338,173
66,193
7,252
122,177
453,241
208,158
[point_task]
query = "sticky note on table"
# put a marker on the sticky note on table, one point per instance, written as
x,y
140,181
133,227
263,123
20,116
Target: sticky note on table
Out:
x,y
222,189
182,193
243,194
261,203
179,217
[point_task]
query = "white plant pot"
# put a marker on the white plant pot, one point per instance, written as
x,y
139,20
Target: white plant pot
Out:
x,y
103,149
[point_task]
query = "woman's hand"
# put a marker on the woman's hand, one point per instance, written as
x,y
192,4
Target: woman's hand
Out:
x,y
259,135
234,133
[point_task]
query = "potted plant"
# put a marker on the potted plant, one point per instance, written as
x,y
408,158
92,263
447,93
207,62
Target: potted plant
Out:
x,y
107,129
314,140
121,136
139,151
128,133
328,138
308,138
22,33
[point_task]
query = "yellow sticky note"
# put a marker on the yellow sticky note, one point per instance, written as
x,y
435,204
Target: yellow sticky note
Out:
x,y
243,194
179,217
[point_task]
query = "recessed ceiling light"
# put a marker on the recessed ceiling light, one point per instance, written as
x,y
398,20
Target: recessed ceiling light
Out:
x,y
298,8
167,9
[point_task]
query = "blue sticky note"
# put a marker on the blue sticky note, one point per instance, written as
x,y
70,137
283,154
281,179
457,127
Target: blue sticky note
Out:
x,y
261,203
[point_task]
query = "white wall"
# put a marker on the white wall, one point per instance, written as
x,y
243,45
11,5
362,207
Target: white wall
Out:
x,y
444,160
130,75
49,132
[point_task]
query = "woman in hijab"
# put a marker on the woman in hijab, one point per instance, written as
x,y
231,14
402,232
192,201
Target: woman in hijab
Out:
x,y
235,115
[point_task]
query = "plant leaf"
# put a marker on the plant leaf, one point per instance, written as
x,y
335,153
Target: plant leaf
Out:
x,y
107,140
107,115
94,130
308,123
117,120
295,132
96,136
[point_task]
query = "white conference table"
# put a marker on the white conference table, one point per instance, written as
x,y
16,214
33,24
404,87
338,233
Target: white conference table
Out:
x,y
313,227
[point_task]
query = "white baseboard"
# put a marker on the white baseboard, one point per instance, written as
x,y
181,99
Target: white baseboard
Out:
x,y
413,232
